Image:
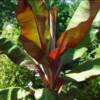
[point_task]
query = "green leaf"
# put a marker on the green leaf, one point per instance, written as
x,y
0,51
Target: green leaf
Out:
x,y
73,54
97,50
85,71
44,94
14,52
13,93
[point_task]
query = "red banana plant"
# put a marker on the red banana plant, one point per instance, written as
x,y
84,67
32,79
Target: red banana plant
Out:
x,y
38,29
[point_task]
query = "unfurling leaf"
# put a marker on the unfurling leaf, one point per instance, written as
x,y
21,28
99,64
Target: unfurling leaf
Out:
x,y
53,12
78,27
32,16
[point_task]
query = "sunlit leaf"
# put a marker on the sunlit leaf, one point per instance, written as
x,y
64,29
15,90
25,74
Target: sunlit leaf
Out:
x,y
80,23
13,93
32,16
78,26
85,71
97,50
81,49
44,94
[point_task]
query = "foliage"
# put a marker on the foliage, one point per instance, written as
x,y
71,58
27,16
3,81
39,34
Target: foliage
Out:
x,y
14,93
84,54
7,11
12,75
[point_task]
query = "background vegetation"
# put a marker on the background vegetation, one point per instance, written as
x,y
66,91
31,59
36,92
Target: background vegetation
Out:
x,y
13,75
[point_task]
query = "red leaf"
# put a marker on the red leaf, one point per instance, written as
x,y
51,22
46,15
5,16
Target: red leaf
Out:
x,y
34,27
77,28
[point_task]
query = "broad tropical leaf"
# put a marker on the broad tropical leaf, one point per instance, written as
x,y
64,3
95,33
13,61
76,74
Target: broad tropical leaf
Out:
x,y
81,49
13,93
32,16
85,71
80,23
44,94
17,93
78,27
15,53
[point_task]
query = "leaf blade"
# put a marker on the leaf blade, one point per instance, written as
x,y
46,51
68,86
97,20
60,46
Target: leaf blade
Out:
x,y
85,71
33,23
14,52
77,28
